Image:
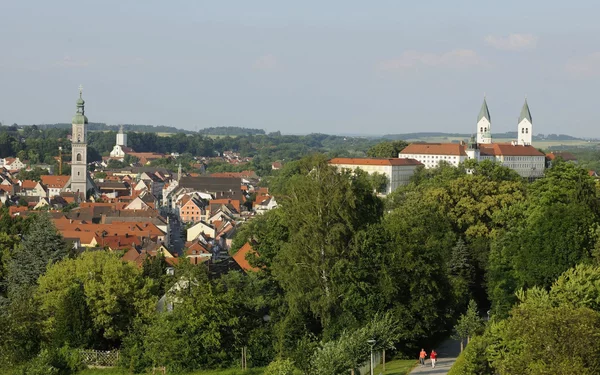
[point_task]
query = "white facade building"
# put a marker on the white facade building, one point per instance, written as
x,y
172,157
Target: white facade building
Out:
x,y
397,171
430,154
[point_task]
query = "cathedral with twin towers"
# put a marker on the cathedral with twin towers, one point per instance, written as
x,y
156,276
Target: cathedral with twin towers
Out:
x,y
518,154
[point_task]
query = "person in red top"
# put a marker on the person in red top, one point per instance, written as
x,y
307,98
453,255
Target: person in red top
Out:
x,y
433,357
422,357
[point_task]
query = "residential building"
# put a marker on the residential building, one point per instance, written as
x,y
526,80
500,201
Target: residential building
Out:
x,y
54,184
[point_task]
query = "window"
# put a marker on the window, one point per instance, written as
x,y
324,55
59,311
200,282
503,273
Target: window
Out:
x,y
481,129
78,157
527,131
522,130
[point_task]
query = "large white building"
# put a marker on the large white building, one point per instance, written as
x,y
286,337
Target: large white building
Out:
x,y
397,171
518,155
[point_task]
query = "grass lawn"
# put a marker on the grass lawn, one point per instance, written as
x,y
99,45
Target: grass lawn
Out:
x,y
396,367
252,371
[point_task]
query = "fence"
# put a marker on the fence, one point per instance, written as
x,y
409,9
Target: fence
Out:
x,y
366,367
100,358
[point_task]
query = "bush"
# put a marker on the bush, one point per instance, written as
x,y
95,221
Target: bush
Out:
x,y
281,367
473,360
63,361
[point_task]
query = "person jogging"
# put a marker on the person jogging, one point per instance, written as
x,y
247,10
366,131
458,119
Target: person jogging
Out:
x,y
433,356
422,357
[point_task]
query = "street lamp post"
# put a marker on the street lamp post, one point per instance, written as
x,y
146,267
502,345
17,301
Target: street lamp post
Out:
x,y
371,343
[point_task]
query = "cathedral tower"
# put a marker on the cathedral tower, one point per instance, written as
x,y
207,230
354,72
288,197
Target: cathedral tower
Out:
x,y
121,137
484,124
525,128
79,176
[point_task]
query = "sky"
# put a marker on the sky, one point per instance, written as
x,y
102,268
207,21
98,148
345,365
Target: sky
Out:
x,y
336,67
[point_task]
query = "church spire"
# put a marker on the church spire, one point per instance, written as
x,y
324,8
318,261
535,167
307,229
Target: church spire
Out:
x,y
525,113
484,112
79,117
484,124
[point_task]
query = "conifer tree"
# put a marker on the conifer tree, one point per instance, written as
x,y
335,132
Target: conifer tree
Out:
x,y
42,245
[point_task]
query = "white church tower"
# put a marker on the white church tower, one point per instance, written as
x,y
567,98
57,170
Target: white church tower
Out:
x,y
79,175
484,124
525,128
118,152
121,137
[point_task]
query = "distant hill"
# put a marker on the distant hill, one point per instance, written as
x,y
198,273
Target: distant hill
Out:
x,y
231,130
507,135
240,131
100,126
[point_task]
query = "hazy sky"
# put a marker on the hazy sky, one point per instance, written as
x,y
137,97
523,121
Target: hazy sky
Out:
x,y
368,67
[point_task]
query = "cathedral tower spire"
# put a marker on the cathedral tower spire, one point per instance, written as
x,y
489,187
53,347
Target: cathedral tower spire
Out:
x,y
525,127
484,124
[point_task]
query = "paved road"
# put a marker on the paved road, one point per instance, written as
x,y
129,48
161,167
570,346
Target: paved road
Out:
x,y
447,353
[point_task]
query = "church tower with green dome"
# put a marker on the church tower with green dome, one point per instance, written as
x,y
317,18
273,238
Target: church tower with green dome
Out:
x,y
79,175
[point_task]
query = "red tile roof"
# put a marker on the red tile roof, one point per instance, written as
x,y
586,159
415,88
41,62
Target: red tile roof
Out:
x,y
28,184
374,161
55,181
566,156
509,149
495,149
240,257
435,149
234,203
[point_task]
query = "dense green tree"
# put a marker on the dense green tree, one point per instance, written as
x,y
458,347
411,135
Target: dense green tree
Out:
x,y
415,271
322,210
379,182
8,245
200,332
254,299
42,246
540,338
72,321
387,149
20,336
461,271
535,250
34,174
116,294
578,287
155,268
468,325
